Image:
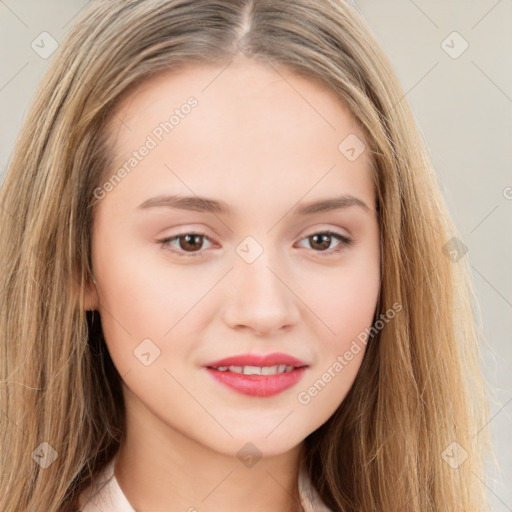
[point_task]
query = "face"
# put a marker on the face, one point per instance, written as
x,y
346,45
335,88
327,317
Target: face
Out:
x,y
248,270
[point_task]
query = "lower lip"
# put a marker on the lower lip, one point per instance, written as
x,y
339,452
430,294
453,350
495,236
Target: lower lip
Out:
x,y
258,385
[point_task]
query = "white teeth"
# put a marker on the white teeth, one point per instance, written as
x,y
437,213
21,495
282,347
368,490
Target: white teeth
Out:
x,y
257,370
248,370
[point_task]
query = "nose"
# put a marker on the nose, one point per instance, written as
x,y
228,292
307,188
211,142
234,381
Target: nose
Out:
x,y
260,297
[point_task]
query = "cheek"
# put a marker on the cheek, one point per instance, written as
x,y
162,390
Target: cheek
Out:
x,y
143,298
345,303
350,308
344,300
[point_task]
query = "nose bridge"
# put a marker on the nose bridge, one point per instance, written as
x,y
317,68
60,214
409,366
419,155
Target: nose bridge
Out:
x,y
260,298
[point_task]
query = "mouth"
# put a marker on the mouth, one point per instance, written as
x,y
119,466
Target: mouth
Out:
x,y
256,370
257,375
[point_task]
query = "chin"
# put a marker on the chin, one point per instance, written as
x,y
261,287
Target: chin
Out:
x,y
257,443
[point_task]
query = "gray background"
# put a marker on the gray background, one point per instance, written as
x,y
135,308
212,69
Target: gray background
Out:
x,y
463,105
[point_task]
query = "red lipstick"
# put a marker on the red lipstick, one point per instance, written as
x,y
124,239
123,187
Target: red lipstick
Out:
x,y
258,375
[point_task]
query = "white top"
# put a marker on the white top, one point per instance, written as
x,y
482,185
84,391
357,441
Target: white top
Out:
x,y
105,494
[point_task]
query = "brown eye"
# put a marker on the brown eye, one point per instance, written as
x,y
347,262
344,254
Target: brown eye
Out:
x,y
320,242
189,244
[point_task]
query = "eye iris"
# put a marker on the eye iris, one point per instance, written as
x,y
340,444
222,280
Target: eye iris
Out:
x,y
324,244
189,241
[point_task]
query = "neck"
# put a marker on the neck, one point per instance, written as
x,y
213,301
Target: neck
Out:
x,y
159,468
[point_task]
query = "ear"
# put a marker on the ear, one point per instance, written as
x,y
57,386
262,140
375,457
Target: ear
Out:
x,y
91,296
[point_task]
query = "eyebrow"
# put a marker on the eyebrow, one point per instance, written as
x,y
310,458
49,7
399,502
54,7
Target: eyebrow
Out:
x,y
206,205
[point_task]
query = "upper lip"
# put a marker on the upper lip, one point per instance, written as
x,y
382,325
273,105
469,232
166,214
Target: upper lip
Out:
x,y
274,359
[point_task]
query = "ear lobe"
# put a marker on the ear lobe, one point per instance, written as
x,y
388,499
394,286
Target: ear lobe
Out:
x,y
91,296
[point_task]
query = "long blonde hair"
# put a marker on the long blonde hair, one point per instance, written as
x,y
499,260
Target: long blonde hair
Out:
x,y
419,389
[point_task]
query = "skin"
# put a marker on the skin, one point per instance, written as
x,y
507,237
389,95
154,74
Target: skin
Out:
x,y
262,146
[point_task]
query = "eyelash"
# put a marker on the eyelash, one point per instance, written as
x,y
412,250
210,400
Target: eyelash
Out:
x,y
344,242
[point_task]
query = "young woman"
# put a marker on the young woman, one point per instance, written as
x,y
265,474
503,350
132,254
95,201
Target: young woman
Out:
x,y
227,281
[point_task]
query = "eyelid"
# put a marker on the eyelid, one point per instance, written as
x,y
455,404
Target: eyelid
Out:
x,y
344,241
165,241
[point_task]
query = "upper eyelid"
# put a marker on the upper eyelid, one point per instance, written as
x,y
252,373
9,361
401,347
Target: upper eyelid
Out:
x,y
315,232
343,239
200,231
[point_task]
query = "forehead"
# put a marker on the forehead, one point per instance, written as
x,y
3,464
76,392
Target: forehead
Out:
x,y
254,125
